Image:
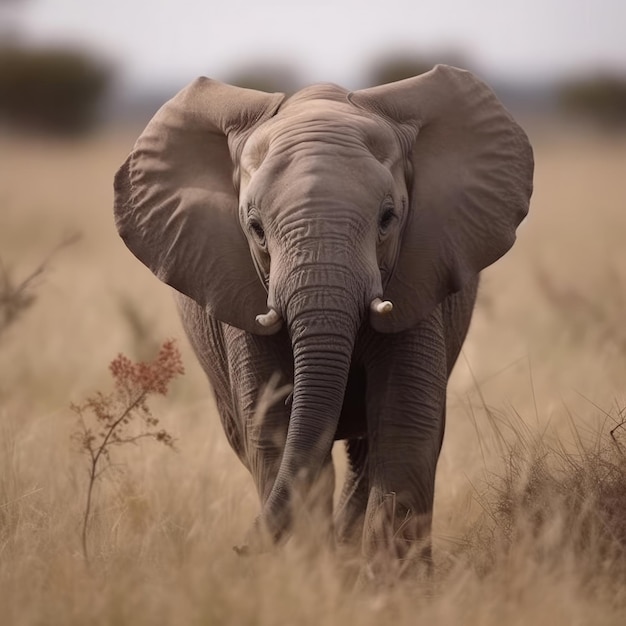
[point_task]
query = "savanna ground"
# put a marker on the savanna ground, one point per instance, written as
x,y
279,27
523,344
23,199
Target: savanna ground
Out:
x,y
530,510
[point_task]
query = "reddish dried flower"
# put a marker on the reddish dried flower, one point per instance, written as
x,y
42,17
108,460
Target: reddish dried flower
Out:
x,y
113,413
153,377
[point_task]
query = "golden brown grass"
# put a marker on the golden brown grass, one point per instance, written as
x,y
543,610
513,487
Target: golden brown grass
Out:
x,y
531,489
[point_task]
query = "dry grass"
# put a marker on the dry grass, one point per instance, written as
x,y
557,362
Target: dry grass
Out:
x,y
531,491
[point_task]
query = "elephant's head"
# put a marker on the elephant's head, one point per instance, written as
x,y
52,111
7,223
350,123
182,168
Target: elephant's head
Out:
x,y
321,210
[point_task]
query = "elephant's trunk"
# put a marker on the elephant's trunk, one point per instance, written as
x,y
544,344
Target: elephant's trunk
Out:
x,y
323,310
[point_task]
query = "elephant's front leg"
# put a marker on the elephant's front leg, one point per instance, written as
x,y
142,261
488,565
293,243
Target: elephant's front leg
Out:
x,y
262,419
350,513
261,414
406,388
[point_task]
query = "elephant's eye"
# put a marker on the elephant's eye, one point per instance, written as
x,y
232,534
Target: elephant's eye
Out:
x,y
386,219
257,230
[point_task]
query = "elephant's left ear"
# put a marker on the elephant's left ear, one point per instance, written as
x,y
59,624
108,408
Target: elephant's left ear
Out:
x,y
471,185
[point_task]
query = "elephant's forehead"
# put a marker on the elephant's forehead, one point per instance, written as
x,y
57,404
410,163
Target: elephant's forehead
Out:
x,y
328,126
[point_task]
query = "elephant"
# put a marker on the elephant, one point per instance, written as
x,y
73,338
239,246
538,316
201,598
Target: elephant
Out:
x,y
332,238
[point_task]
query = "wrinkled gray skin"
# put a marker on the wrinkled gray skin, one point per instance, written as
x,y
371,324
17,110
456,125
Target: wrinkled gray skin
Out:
x,y
311,207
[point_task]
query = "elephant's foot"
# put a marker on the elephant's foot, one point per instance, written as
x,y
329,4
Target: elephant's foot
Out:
x,y
397,542
258,540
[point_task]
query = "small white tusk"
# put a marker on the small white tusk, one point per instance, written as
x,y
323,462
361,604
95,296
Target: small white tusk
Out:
x,y
271,318
382,307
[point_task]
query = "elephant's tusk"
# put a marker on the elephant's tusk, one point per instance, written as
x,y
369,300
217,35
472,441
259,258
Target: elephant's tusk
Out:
x,y
269,319
382,307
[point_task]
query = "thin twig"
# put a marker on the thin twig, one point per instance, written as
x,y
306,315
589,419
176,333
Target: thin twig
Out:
x,y
14,299
40,269
93,473
615,440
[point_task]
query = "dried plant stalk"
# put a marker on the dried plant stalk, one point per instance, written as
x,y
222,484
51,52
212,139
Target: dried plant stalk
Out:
x,y
106,420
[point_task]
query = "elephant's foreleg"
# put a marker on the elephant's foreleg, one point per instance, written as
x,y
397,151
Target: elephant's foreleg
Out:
x,y
407,378
261,417
264,440
350,514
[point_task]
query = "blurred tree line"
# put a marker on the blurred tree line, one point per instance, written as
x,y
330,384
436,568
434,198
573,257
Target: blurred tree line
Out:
x,y
64,90
52,90
600,97
391,68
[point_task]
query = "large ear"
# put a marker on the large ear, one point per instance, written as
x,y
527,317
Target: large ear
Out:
x,y
472,169
175,202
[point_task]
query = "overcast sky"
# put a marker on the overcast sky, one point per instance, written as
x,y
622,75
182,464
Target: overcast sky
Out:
x,y
155,42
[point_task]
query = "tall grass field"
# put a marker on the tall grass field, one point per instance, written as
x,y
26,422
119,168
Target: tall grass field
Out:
x,y
530,509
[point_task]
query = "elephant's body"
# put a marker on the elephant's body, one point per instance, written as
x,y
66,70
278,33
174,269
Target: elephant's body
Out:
x,y
412,367
334,239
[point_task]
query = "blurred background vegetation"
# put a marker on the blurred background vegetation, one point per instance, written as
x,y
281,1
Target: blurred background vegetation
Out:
x,y
599,97
68,88
52,89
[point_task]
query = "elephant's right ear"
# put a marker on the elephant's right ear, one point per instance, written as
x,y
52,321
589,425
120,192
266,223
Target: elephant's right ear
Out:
x,y
176,206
